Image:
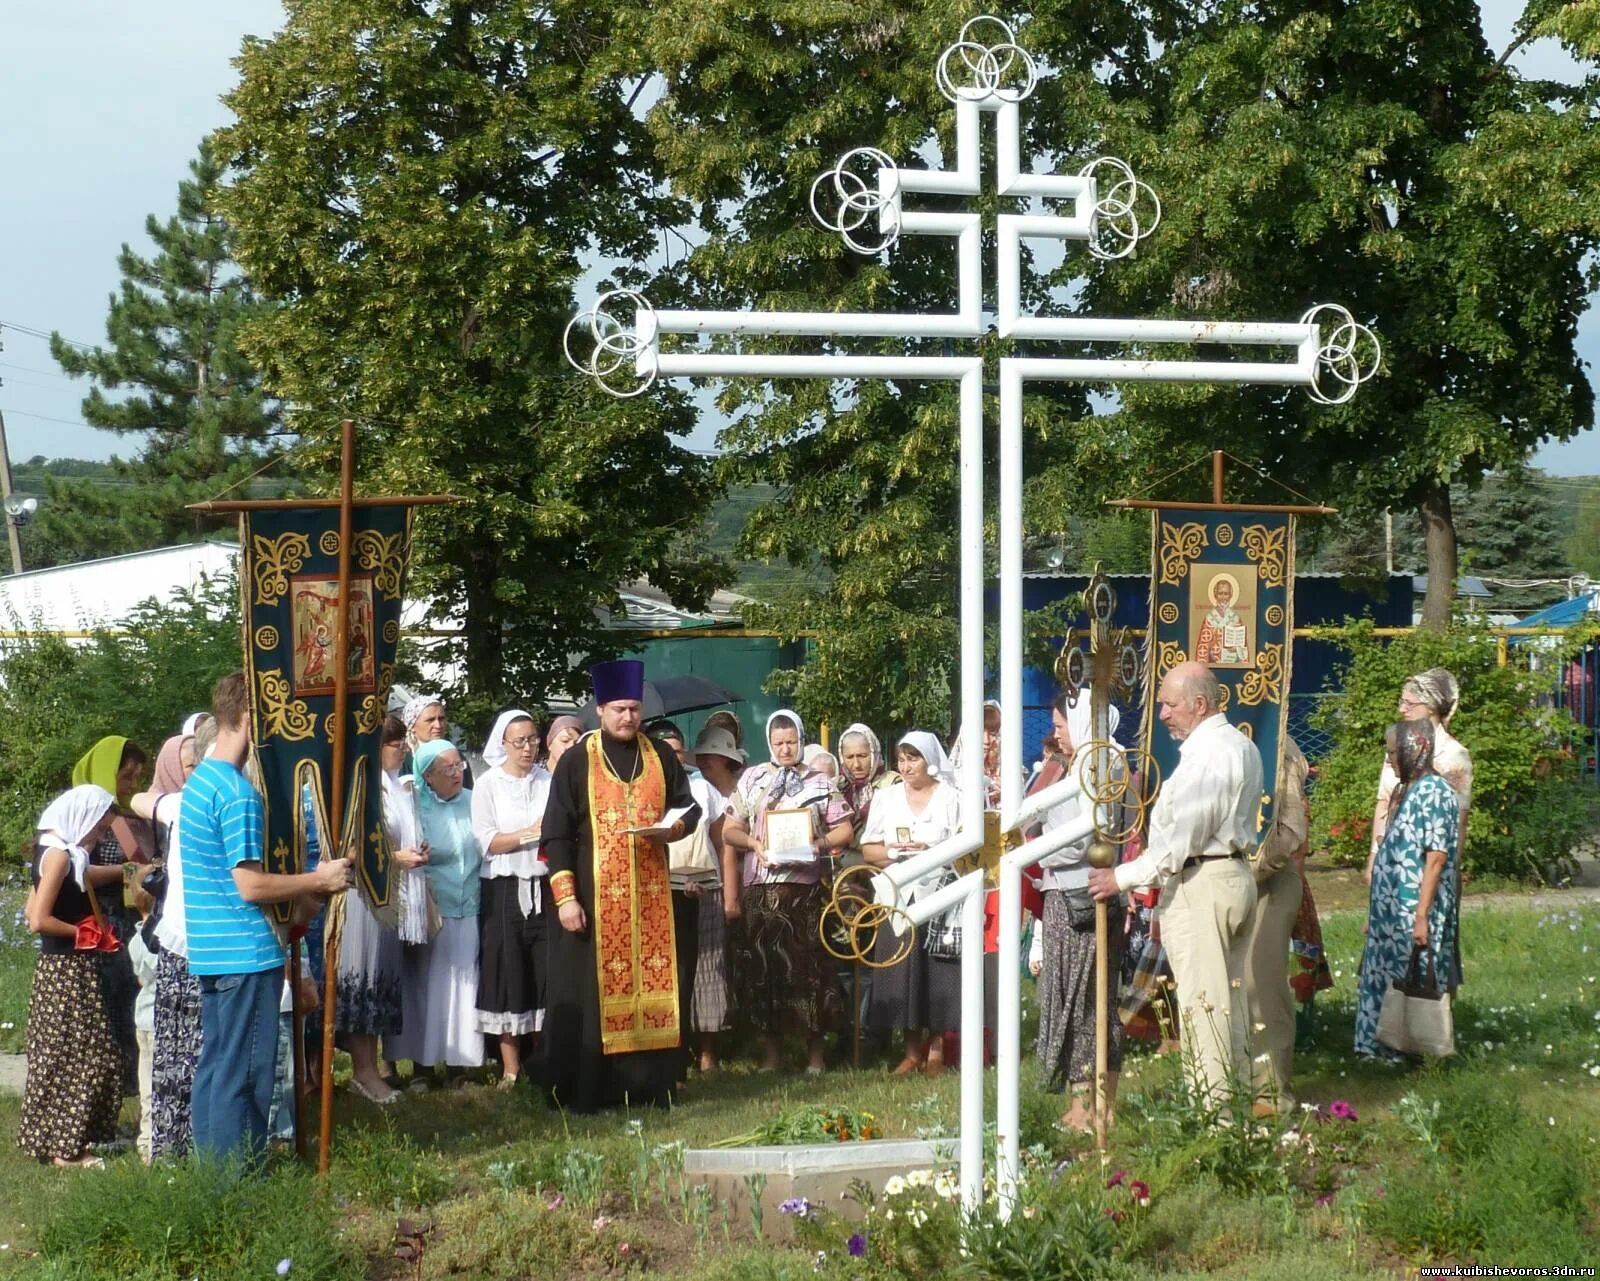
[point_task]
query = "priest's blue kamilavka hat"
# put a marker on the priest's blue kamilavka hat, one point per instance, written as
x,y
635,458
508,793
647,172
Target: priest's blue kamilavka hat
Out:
x,y
622,678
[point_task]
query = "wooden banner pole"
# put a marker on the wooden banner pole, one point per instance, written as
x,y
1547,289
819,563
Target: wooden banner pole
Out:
x,y
1217,466
333,841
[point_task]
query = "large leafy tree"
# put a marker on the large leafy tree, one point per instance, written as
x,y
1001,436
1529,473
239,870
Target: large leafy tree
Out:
x,y
418,187
1371,152
179,385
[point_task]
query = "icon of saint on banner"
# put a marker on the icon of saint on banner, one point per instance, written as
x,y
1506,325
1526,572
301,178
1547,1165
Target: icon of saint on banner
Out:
x,y
1221,606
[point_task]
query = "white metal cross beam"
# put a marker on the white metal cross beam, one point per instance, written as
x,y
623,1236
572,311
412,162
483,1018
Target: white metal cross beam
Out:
x,y
1107,209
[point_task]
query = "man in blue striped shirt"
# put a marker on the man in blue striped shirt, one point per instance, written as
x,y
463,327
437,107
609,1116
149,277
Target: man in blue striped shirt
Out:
x,y
233,949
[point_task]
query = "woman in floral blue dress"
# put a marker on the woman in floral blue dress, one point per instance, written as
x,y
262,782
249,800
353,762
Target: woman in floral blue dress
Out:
x,y
1413,899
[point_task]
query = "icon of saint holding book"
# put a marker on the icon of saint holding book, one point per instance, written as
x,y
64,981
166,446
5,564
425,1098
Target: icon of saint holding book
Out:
x,y
1224,638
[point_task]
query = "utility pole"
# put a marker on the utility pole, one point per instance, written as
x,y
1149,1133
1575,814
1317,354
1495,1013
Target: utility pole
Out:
x,y
12,532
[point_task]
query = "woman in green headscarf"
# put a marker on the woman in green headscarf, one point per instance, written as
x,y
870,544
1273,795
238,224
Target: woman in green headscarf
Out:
x,y
118,764
439,986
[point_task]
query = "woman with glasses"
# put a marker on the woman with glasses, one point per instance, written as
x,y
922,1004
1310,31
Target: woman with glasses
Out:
x,y
440,985
507,812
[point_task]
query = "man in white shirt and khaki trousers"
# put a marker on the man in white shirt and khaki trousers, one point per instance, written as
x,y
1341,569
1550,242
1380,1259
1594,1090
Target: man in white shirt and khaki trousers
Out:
x,y
1202,832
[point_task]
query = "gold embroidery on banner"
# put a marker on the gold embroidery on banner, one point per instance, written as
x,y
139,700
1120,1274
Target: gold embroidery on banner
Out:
x,y
1170,656
1180,544
1224,697
391,632
1224,535
329,542
266,637
384,556
1168,613
283,716
1269,549
1265,684
1274,615
1248,730
273,560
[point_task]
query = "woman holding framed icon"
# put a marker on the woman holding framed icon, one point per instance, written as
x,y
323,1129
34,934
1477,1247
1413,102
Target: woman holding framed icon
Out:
x,y
786,819
920,996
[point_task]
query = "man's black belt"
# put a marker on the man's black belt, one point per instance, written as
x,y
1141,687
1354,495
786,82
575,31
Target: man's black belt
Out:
x,y
1209,858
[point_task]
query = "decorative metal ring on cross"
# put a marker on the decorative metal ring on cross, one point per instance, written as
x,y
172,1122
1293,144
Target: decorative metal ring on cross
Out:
x,y
1349,355
972,70
857,199
614,348
858,919
1126,210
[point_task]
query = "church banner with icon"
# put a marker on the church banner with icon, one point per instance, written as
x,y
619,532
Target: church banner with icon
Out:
x,y
290,587
1222,593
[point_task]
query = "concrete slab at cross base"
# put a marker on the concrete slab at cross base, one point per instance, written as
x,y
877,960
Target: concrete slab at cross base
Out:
x,y
13,1073
822,1174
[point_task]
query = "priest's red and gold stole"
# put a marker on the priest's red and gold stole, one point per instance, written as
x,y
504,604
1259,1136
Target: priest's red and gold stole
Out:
x,y
635,960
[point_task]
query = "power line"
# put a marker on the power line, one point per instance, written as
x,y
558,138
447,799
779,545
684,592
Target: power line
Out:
x,y
43,335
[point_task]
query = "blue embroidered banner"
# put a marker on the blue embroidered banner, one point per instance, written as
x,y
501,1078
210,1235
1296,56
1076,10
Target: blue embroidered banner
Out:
x,y
1222,593
290,585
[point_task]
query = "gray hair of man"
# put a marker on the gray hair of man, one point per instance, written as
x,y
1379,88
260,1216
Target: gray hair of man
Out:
x,y
1197,682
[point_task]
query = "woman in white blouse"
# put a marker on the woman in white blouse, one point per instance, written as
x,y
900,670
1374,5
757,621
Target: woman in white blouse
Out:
x,y
507,811
921,995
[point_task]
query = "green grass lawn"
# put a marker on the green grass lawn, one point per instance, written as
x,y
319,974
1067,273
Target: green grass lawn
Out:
x,y
1492,1158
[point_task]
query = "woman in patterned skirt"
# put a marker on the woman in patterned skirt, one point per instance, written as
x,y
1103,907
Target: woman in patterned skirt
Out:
x,y
1413,881
785,976
176,1040
74,1080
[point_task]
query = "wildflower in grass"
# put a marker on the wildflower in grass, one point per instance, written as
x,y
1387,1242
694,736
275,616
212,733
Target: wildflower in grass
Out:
x,y
1141,1191
601,1223
856,1245
624,1249
283,1267
796,1205
1339,1110
555,1202
1325,1199
895,1186
820,1262
1117,1179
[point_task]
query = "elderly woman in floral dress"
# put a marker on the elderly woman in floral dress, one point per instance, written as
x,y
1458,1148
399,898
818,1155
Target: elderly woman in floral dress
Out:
x,y
1413,901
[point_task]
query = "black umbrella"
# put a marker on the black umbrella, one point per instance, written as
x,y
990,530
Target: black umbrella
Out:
x,y
670,696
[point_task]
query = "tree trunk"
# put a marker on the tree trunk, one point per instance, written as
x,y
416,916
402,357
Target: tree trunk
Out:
x,y
1439,537
485,649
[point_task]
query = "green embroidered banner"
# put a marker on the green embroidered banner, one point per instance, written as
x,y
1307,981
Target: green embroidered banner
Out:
x,y
1222,593
290,585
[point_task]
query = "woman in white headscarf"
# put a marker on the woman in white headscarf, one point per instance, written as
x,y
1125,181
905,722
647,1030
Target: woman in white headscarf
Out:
x,y
920,996
74,1084
1064,946
784,974
507,814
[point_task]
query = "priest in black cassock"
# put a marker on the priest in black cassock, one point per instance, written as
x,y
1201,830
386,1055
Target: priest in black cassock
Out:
x,y
611,1024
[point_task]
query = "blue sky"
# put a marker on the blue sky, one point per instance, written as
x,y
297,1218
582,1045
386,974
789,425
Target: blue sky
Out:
x,y
104,102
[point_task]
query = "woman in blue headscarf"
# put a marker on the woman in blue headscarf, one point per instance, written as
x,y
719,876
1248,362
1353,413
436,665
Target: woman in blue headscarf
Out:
x,y
439,1022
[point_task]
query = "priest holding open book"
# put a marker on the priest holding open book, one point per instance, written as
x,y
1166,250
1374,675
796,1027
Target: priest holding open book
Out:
x,y
611,1021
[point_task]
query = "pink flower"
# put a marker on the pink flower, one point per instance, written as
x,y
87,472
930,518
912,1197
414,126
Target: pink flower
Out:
x,y
1325,1199
555,1202
1339,1110
601,1223
624,1249
1117,1179
1140,1190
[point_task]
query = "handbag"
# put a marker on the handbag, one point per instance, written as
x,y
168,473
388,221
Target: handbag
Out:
x,y
941,938
1416,1017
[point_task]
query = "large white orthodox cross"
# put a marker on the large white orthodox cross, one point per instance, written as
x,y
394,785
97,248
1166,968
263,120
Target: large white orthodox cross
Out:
x,y
1109,210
